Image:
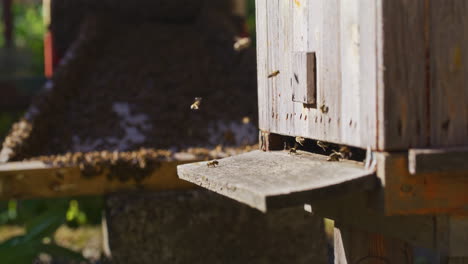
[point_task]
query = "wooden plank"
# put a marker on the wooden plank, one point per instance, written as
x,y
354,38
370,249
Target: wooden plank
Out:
x,y
21,180
275,179
423,193
458,237
365,247
402,120
368,69
330,29
355,211
264,108
438,160
449,73
304,71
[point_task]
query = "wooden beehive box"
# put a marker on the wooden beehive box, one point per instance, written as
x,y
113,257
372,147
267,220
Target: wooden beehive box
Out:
x,y
388,76
392,74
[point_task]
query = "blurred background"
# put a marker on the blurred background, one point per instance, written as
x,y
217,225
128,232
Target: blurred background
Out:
x,y
71,224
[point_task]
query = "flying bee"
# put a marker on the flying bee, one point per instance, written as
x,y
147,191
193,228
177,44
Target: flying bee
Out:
x,y
242,43
196,103
335,156
273,74
323,145
324,108
345,152
212,164
300,140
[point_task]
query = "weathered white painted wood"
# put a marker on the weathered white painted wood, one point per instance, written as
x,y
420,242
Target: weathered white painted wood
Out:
x,y
402,97
318,26
273,179
350,71
264,108
438,160
304,73
449,73
368,68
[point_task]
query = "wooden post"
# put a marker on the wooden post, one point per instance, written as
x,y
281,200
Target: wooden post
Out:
x,y
50,59
8,23
354,246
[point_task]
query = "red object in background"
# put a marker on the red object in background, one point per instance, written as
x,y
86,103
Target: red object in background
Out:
x,y
8,22
50,59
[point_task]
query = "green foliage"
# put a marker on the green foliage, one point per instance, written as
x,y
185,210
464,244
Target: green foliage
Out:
x,y
251,19
24,249
27,55
29,32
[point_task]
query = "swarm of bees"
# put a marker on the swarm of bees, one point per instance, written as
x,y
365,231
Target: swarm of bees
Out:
x,y
273,74
242,43
212,164
196,103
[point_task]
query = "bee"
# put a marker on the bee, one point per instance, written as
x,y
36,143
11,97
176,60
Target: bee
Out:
x,y
323,145
345,152
245,120
196,103
335,156
300,140
324,109
212,164
273,74
293,151
242,43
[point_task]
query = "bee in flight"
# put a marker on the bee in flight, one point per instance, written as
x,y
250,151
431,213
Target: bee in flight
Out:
x,y
273,74
242,43
212,164
196,103
300,140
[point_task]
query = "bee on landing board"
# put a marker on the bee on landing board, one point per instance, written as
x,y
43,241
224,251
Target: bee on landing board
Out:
x,y
196,103
335,156
212,164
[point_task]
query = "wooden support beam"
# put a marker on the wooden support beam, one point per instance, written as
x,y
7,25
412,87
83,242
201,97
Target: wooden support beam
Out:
x,y
357,211
355,246
422,193
21,180
438,160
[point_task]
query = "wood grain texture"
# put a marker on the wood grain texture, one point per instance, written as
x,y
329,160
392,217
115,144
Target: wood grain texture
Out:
x,y
265,180
304,71
366,247
354,211
21,180
423,193
438,160
449,73
332,32
402,97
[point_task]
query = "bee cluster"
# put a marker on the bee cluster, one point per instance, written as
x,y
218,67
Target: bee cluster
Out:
x,y
333,151
156,67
